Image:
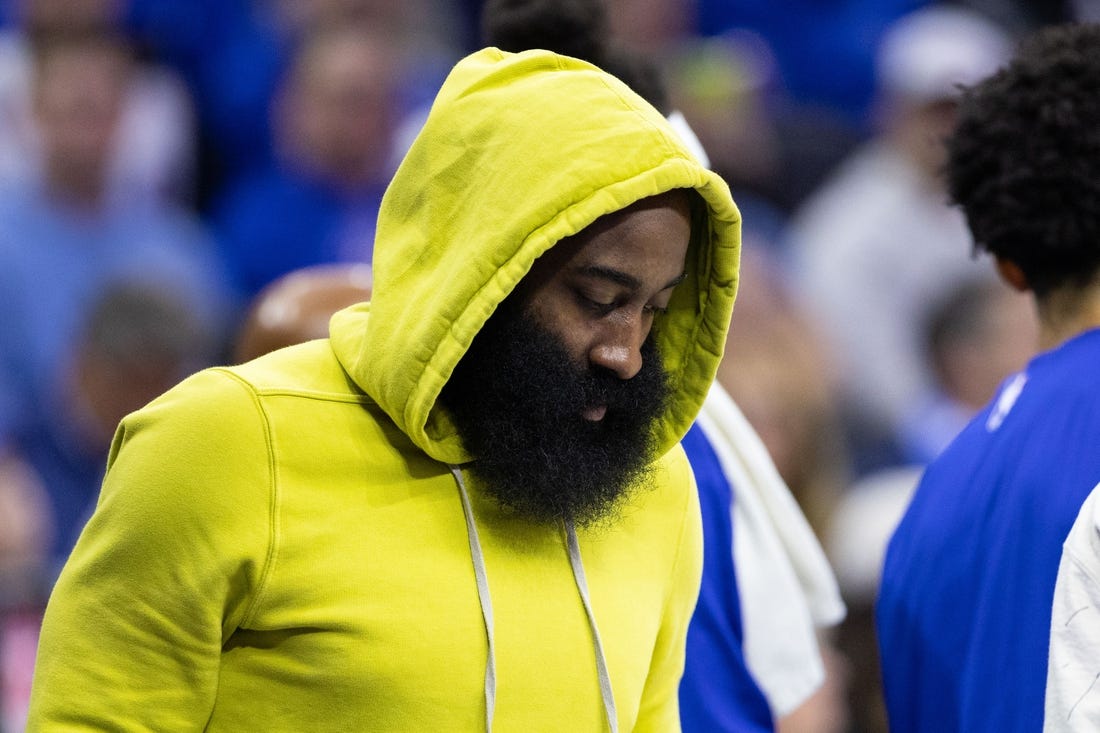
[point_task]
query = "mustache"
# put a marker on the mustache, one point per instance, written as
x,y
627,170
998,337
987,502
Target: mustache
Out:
x,y
596,386
518,399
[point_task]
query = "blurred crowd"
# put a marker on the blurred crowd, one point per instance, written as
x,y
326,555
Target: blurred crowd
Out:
x,y
162,162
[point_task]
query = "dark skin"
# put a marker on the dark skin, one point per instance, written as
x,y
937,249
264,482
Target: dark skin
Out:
x,y
557,395
599,290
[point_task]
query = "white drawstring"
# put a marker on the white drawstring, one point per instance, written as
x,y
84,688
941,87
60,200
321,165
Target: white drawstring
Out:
x,y
483,595
482,579
601,662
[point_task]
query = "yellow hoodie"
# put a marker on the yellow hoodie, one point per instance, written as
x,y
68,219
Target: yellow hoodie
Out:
x,y
283,546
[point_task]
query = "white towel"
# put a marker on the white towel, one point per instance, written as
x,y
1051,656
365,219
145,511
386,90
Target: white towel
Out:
x,y
683,129
787,587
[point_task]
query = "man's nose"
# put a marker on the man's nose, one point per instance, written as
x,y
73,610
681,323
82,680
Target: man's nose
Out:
x,y
619,347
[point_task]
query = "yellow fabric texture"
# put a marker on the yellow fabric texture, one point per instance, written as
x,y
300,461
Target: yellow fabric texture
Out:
x,y
280,546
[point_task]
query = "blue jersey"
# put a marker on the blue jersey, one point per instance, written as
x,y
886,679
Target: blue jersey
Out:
x,y
964,609
717,693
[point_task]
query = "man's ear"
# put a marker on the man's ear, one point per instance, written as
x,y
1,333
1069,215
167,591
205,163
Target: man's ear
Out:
x,y
1011,273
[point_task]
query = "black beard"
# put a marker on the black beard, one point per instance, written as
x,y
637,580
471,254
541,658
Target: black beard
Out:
x,y
517,399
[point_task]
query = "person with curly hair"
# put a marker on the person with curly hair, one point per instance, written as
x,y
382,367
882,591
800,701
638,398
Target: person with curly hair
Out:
x,y
964,610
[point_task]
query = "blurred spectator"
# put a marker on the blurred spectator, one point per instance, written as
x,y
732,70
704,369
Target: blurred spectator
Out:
x,y
651,27
878,242
235,54
66,235
723,86
779,371
137,341
974,337
819,62
155,144
25,532
335,125
824,51
228,63
297,307
1083,10
1021,17
769,147
578,28
829,708
773,369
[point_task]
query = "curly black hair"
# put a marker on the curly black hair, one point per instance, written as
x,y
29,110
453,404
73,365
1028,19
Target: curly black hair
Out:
x,y
578,28
1024,158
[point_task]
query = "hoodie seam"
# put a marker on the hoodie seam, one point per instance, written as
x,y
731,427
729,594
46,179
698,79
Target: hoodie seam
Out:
x,y
273,501
671,150
315,395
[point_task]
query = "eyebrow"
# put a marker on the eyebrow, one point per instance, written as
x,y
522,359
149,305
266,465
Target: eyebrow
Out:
x,y
621,278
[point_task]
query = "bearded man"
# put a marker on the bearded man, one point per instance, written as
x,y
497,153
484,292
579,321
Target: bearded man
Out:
x,y
467,507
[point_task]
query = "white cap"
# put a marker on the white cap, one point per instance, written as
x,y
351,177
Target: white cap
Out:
x,y
927,54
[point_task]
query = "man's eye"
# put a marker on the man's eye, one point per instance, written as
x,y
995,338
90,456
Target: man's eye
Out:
x,y
596,306
599,307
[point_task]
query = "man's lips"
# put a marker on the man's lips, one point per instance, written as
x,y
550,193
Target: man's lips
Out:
x,y
595,413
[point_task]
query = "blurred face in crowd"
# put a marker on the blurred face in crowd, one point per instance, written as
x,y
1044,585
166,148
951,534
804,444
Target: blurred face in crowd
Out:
x,y
997,340
109,389
653,26
302,14
79,94
54,15
338,111
920,128
138,341
557,395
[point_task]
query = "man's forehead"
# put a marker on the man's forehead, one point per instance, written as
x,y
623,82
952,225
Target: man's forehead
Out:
x,y
617,242
676,198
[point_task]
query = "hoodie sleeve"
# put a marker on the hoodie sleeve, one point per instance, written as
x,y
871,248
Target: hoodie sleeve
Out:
x,y
659,710
168,566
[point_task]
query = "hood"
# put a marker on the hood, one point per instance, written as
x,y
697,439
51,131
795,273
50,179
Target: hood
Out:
x,y
518,152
